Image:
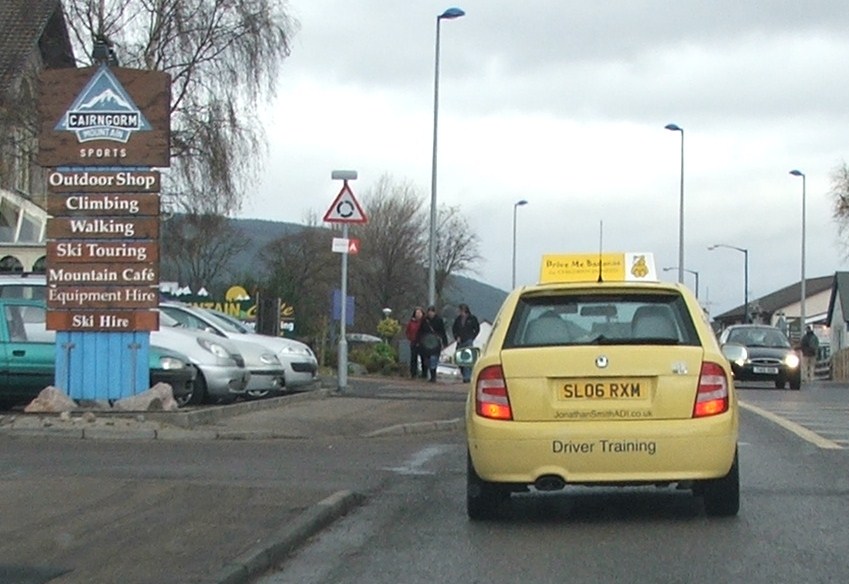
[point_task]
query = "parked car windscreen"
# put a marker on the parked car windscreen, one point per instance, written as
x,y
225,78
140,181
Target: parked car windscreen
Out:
x,y
228,322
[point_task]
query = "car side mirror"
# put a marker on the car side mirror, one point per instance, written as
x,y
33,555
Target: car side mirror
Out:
x,y
466,356
735,353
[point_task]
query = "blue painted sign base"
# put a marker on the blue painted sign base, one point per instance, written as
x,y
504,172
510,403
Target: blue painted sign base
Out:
x,y
102,366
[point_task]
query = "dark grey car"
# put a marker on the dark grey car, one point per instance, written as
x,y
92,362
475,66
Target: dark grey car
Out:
x,y
766,355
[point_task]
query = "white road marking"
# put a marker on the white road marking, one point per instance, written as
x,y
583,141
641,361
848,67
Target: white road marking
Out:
x,y
414,465
793,427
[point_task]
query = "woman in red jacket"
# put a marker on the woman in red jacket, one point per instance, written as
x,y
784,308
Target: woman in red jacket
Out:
x,y
416,354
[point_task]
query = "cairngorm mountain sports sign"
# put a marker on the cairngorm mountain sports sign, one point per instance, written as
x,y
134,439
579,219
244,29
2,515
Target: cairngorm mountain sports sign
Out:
x,y
102,133
102,116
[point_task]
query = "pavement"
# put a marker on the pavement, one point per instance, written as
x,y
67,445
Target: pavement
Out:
x,y
320,413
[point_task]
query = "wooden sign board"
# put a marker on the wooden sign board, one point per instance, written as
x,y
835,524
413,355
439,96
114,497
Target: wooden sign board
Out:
x,y
88,297
102,116
124,228
83,252
101,204
112,321
103,275
103,181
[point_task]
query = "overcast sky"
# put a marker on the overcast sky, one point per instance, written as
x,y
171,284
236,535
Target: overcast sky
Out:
x,y
564,103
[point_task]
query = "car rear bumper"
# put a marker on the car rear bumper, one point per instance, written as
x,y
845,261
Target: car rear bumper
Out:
x,y
266,380
589,452
300,373
225,381
180,380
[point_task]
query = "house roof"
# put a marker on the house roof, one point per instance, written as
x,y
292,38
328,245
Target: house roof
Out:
x,y
840,287
781,298
30,25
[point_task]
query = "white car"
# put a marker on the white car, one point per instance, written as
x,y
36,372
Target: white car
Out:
x,y
222,376
298,360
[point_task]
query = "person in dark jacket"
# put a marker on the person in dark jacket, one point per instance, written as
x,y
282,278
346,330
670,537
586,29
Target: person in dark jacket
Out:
x,y
465,330
810,345
412,333
431,339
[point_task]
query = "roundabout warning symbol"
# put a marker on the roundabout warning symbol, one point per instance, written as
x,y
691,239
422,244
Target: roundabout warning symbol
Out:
x,y
345,208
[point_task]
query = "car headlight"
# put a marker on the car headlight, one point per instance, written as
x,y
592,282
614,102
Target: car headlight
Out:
x,y
792,360
214,348
170,363
269,359
296,350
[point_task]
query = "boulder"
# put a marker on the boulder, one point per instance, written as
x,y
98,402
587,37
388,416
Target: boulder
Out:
x,y
160,397
51,400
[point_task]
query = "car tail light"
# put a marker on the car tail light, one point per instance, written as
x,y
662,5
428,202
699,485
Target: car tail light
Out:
x,y
712,397
491,398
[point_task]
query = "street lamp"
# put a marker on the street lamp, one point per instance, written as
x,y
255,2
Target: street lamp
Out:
x,y
677,128
745,276
694,272
804,292
516,205
449,14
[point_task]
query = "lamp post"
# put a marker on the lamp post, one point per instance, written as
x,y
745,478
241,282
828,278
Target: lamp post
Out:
x,y
449,14
804,291
516,205
745,253
694,272
677,128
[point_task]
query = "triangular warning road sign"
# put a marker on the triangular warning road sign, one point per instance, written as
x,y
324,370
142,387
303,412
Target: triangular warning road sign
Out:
x,y
345,208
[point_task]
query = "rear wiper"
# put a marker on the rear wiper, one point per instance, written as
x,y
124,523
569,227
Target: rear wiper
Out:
x,y
652,341
602,340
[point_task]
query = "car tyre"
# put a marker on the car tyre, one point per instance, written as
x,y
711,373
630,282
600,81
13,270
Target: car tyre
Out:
x,y
796,382
198,395
722,496
258,393
186,398
483,498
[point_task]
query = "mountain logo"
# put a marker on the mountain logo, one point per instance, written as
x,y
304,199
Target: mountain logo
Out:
x,y
103,111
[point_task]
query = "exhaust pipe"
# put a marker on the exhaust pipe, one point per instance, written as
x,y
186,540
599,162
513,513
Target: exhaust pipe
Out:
x,y
549,483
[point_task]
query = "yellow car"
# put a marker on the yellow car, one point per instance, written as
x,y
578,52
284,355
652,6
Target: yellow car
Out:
x,y
601,383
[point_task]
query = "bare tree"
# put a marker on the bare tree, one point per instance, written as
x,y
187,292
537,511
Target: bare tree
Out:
x,y
840,195
301,269
388,272
224,58
200,248
457,247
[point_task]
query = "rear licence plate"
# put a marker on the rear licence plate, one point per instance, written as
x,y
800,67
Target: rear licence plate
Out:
x,y
601,390
766,370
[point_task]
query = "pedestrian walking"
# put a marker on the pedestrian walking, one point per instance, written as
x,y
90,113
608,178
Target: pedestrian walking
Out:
x,y
810,344
431,340
465,330
412,332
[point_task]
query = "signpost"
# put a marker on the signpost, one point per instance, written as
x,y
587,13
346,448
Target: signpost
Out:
x,y
102,130
345,210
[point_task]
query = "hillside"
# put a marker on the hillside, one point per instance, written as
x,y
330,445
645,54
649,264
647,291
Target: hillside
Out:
x,y
483,299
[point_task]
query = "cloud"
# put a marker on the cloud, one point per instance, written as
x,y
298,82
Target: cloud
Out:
x,y
563,104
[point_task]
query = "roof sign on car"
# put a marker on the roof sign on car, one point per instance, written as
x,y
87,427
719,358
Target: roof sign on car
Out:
x,y
594,267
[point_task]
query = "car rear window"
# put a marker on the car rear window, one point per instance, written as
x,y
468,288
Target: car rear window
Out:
x,y
601,319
